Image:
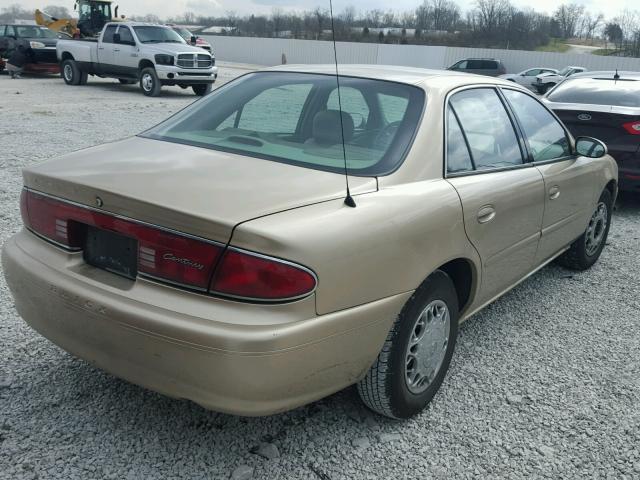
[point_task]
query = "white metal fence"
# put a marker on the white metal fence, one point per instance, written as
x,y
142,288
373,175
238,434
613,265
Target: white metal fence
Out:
x,y
269,51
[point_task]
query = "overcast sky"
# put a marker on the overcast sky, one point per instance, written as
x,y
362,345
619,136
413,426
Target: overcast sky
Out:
x,y
218,7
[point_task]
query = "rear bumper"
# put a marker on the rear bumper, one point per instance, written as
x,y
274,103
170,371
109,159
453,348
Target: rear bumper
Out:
x,y
629,179
43,68
242,365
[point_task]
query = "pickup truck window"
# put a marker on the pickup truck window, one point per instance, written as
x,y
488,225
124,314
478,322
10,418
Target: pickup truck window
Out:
x,y
125,36
156,34
108,34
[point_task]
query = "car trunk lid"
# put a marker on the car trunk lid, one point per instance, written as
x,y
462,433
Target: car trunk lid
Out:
x,y
605,123
189,189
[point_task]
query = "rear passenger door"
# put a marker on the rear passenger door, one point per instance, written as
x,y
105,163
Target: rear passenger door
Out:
x,y
502,196
106,47
568,179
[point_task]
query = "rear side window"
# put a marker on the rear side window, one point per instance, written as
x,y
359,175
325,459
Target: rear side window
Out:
x,y
108,34
488,128
458,157
547,139
475,65
594,91
294,118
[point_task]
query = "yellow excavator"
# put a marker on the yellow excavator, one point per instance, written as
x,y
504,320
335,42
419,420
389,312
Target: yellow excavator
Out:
x,y
92,17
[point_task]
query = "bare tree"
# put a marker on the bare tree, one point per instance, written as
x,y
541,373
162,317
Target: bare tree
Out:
x,y
57,11
569,17
591,23
277,19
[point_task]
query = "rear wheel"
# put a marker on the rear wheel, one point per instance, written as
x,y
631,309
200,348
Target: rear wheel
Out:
x,y
71,73
202,90
586,250
149,82
416,355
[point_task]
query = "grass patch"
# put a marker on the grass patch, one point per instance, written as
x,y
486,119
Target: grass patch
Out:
x,y
605,52
555,45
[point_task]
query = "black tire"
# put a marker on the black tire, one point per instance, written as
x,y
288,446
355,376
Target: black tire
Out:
x,y
84,77
202,90
582,255
545,88
384,389
127,81
149,82
70,72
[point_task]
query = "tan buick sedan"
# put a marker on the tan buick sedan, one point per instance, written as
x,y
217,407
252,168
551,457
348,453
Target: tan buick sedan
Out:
x,y
214,257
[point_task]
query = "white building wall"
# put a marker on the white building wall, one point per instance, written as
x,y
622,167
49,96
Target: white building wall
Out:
x,y
269,51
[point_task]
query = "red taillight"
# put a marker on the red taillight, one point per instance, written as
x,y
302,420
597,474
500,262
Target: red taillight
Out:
x,y
632,127
162,254
250,276
171,256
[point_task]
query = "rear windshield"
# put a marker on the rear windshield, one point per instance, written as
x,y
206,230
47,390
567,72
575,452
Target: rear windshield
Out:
x,y
593,91
29,31
295,118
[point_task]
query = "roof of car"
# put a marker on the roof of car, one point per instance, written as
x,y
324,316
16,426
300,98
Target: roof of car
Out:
x,y
392,73
608,74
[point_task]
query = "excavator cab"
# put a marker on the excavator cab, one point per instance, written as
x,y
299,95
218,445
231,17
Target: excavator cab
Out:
x,y
92,16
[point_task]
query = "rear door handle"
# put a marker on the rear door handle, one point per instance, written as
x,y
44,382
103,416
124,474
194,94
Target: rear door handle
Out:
x,y
554,192
486,214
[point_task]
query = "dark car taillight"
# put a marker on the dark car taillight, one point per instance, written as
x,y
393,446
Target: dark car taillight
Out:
x,y
169,256
162,254
632,127
252,276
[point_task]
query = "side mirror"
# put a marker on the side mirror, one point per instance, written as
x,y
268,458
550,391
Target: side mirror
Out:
x,y
193,39
116,38
590,147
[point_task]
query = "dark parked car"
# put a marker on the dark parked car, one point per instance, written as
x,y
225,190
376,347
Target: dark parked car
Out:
x,y
606,106
481,66
41,45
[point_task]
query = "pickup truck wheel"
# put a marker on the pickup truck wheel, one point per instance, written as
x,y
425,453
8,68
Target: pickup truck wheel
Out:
x,y
586,250
202,90
70,72
149,82
416,355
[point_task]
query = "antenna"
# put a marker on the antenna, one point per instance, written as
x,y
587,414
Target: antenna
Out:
x,y
349,201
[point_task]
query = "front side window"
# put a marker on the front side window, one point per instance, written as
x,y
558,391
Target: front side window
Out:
x,y
125,35
532,73
294,118
547,139
460,65
488,128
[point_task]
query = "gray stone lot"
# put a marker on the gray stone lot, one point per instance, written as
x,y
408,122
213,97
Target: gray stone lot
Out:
x,y
545,383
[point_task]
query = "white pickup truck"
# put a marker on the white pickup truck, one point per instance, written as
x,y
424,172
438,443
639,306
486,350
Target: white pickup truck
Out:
x,y
153,55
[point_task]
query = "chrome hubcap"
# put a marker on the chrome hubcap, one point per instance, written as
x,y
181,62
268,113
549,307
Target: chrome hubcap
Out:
x,y
596,229
427,346
68,73
147,82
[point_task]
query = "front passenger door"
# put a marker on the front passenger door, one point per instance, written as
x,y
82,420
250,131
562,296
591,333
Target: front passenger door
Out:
x,y
125,53
502,196
568,180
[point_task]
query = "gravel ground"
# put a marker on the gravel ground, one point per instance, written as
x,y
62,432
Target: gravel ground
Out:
x,y
544,383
